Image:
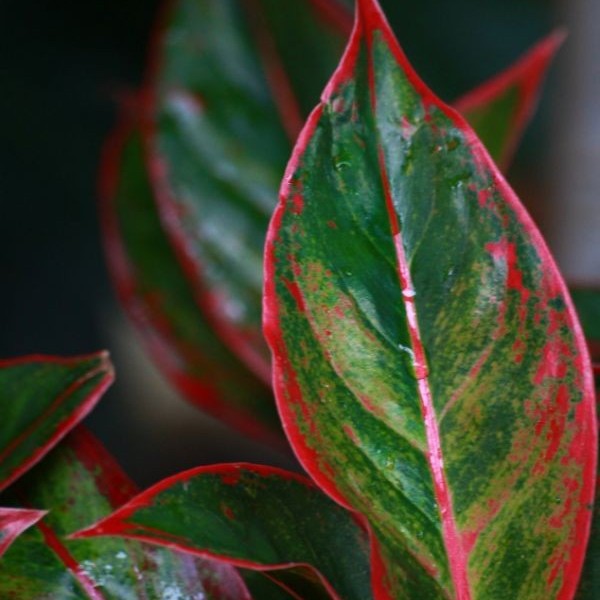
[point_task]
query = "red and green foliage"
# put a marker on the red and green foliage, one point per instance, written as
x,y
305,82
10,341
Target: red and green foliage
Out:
x,y
428,366
409,296
217,123
256,517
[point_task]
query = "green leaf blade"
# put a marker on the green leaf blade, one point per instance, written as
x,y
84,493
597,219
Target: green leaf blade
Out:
x,y
429,369
587,303
42,399
253,517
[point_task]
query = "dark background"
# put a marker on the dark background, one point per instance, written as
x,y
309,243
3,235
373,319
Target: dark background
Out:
x,y
63,66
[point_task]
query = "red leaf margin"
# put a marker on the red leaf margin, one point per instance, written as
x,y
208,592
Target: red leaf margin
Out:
x,y
370,16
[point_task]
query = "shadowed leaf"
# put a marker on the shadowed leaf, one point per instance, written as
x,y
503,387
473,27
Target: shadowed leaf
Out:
x,y
232,85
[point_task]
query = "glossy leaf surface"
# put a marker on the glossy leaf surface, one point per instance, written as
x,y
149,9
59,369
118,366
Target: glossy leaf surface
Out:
x,y
428,365
500,109
13,522
77,483
222,120
41,399
159,300
255,517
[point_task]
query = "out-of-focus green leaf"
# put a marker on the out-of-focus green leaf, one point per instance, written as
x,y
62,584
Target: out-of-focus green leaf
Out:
x,y
427,364
587,303
157,297
233,84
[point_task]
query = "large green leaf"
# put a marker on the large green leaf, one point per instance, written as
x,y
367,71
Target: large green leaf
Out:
x,y
78,483
428,365
232,81
159,300
41,399
255,517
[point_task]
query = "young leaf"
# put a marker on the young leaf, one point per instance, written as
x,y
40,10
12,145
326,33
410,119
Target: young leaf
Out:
x,y
232,85
255,517
13,522
79,482
222,120
158,299
41,399
500,109
428,365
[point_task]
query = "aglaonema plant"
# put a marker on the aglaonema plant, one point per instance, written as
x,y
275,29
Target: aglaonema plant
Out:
x,y
427,364
187,199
